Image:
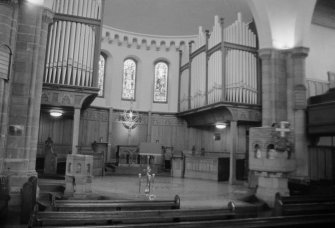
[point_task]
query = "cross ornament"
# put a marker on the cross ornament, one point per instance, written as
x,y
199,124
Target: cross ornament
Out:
x,y
283,128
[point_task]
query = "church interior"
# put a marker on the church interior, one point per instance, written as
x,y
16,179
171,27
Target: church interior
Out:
x,y
167,113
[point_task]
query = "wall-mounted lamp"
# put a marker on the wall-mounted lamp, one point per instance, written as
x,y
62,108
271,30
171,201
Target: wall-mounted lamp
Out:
x,y
220,125
56,113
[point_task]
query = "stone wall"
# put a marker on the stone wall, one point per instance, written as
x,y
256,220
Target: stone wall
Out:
x,y
25,92
8,30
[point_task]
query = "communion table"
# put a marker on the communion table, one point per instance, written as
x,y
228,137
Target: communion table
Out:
x,y
207,167
136,158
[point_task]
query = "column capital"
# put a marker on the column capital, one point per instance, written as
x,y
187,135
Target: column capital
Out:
x,y
47,15
267,53
301,52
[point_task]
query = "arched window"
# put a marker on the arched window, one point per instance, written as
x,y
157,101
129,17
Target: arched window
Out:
x,y
101,76
5,61
161,82
129,79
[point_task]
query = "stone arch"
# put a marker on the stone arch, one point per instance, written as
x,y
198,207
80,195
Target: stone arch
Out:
x,y
282,24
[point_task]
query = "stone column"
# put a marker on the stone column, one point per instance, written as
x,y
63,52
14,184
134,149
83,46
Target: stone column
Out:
x,y
25,94
8,28
274,96
299,55
284,99
233,151
75,133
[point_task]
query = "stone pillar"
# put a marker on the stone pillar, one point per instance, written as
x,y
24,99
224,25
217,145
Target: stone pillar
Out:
x,y
75,133
25,93
274,96
284,99
233,151
299,55
8,30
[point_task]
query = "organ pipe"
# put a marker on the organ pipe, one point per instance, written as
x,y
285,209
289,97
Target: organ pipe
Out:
x,y
71,44
231,71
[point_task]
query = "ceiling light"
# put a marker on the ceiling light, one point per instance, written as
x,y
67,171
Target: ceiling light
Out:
x,y
220,125
56,113
37,2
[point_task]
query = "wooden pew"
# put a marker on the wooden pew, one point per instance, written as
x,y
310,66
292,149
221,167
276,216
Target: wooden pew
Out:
x,y
269,222
243,211
300,205
141,216
116,205
3,206
128,217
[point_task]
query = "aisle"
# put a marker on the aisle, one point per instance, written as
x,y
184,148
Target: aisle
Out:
x,y
194,193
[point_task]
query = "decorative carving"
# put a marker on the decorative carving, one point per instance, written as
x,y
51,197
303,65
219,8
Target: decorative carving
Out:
x,y
44,98
55,98
47,16
142,41
66,100
245,114
78,99
257,150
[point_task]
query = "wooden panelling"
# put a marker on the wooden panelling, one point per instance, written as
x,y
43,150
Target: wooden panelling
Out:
x,y
93,126
59,129
166,129
321,163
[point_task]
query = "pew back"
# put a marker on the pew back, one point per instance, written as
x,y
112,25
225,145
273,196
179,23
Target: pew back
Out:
x,y
308,204
102,205
129,217
269,222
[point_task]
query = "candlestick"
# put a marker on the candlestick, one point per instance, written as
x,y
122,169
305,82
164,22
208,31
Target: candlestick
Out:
x,y
139,182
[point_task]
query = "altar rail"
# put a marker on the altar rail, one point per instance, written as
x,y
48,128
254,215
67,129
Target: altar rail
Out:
x,y
221,66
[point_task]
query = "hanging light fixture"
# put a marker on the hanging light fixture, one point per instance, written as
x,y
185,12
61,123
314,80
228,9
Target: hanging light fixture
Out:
x,y
130,118
221,125
56,113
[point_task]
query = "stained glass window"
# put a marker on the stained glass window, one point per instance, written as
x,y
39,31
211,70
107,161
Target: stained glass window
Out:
x,y
101,78
129,79
161,82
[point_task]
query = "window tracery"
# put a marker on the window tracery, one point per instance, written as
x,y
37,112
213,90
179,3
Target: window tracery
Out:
x,y
101,74
161,82
129,79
